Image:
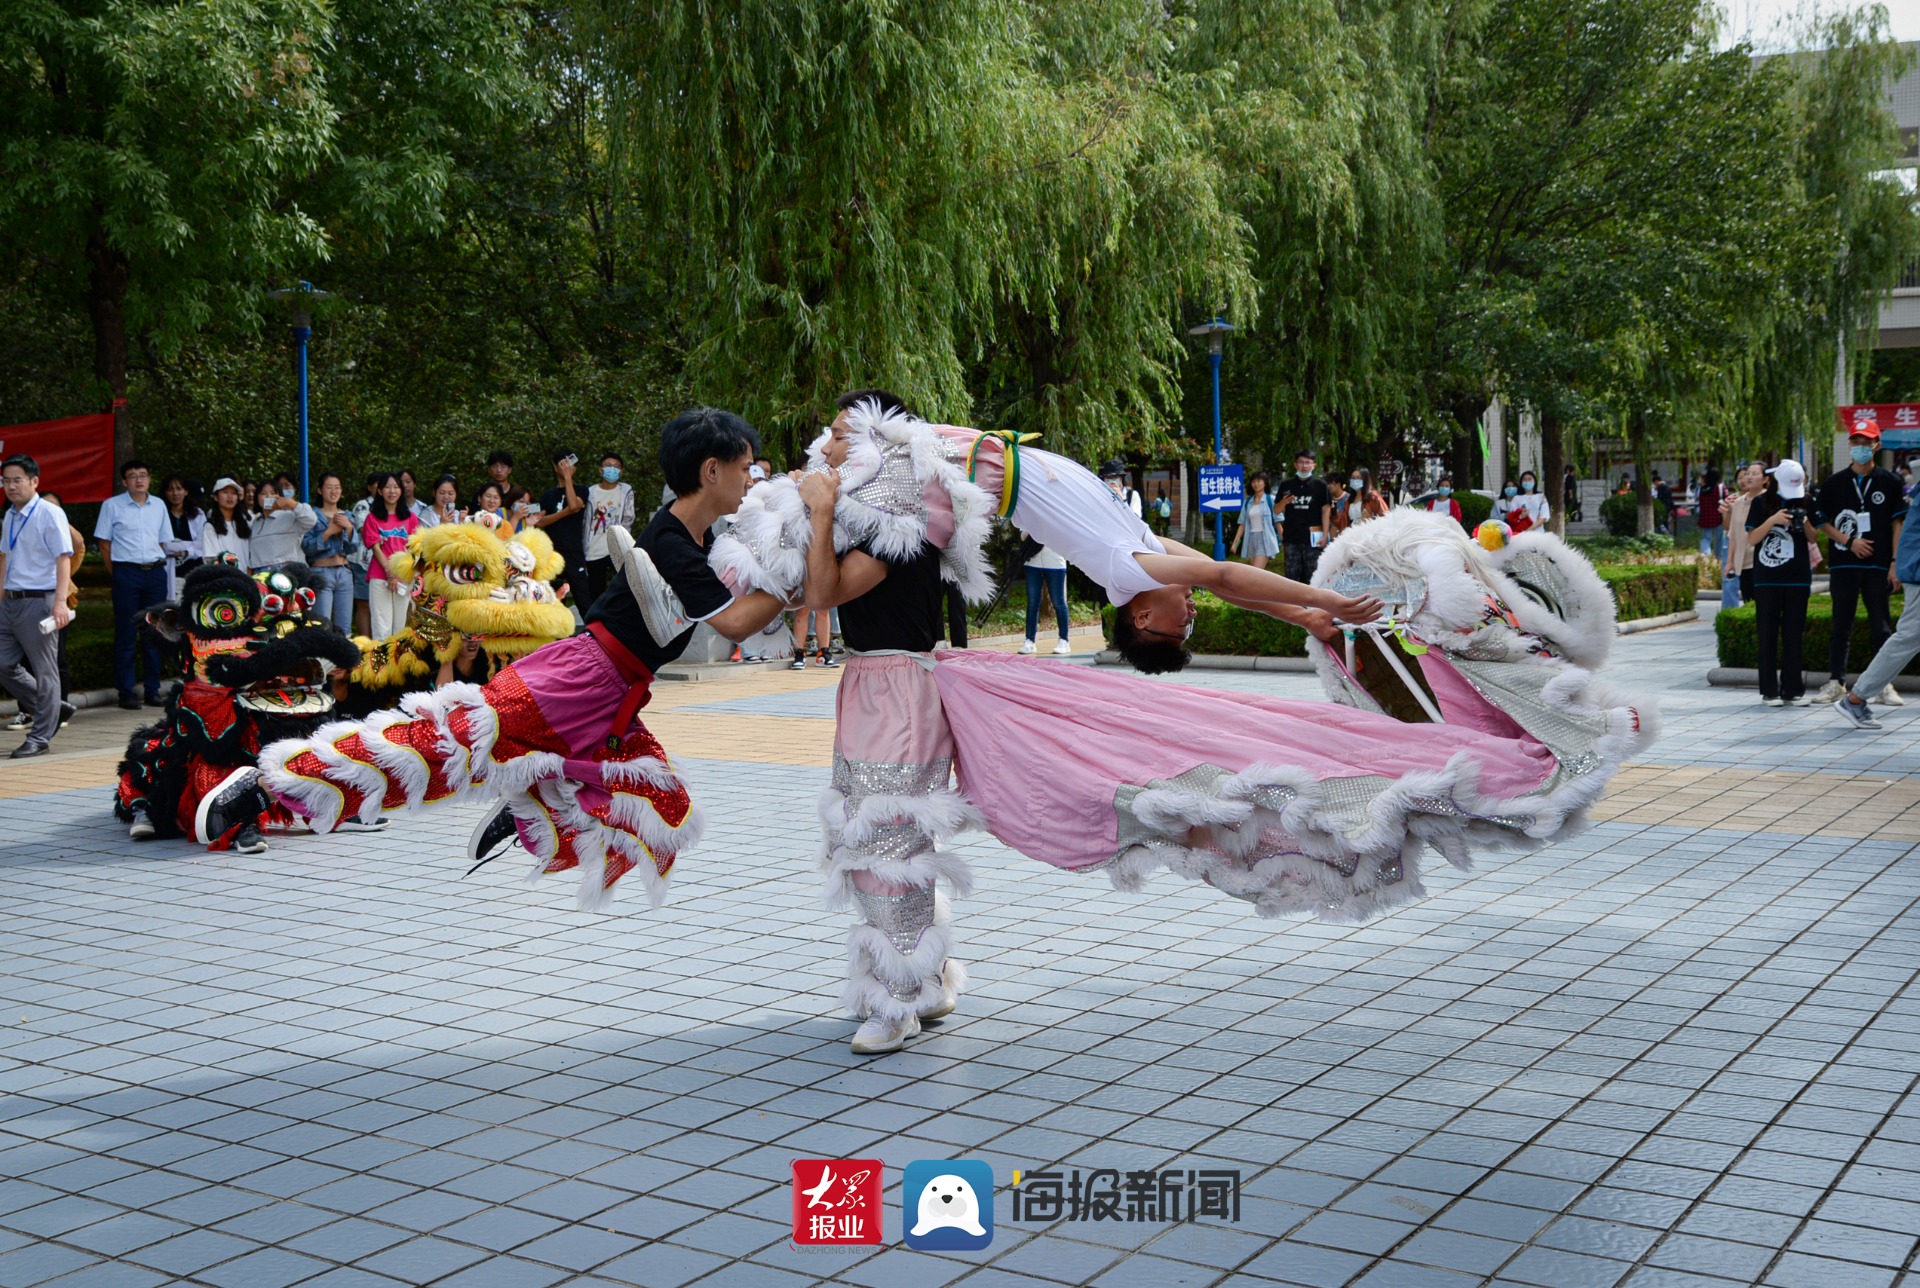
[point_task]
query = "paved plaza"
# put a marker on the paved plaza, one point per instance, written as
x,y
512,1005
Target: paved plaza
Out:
x,y
1679,1050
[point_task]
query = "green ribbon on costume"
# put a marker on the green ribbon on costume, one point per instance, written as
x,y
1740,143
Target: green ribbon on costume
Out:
x,y
1010,465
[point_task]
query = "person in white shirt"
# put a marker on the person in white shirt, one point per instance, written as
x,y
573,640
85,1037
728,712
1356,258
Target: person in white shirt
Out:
x,y
36,567
228,526
283,521
1149,579
609,505
132,529
1530,502
183,552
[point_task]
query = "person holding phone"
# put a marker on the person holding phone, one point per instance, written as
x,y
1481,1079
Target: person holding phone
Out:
x,y
389,524
1780,529
284,520
446,504
562,516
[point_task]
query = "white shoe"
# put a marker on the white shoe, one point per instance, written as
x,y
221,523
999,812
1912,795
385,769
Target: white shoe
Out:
x,y
1026,648
877,1036
1889,698
140,830
1772,702
666,618
1062,649
1832,691
941,1006
1800,701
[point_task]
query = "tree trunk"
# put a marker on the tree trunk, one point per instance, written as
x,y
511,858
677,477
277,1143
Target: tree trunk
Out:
x,y
1467,410
1553,464
1642,476
106,304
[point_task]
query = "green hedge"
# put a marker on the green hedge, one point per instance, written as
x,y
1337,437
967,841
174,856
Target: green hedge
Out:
x,y
1474,509
1734,632
1621,514
1650,590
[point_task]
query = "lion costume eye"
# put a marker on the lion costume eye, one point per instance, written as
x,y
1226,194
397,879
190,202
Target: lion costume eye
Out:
x,y
222,612
519,557
462,574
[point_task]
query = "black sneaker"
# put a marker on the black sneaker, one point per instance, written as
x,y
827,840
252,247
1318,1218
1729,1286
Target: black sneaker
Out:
x,y
240,799
249,841
493,838
19,722
129,703
66,713
827,659
799,662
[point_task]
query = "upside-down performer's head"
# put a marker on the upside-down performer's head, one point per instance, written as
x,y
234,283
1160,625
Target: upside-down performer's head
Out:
x,y
1150,630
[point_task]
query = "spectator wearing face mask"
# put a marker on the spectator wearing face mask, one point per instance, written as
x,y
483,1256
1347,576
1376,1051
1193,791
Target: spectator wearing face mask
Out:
x,y
1363,501
1861,510
1736,574
1892,657
1529,508
1306,514
1443,502
610,504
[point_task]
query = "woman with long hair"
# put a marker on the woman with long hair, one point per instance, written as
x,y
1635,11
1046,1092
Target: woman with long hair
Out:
x,y
446,503
183,514
390,522
1363,501
1258,532
328,545
229,526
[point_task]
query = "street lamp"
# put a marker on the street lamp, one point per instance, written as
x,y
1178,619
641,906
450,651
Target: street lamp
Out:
x,y
1216,333
300,296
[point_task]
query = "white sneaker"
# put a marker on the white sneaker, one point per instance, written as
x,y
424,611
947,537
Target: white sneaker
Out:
x,y
877,1036
942,1006
1832,691
1889,698
660,608
140,830
1062,649
1772,702
1802,700
1026,648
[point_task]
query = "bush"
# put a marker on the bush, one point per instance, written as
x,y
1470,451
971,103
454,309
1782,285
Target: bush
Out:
x,y
1650,590
1474,509
1622,515
1736,635
1220,627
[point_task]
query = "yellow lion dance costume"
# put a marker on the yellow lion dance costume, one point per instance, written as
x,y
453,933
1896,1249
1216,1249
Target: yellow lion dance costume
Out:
x,y
469,581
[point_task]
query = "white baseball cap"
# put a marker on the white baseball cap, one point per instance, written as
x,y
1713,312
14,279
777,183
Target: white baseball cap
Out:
x,y
224,481
1791,478
755,473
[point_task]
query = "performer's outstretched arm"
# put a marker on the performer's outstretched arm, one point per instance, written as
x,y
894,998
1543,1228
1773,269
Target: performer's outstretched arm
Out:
x,y
1257,589
748,615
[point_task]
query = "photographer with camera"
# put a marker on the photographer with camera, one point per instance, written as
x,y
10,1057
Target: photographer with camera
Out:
x,y
1780,530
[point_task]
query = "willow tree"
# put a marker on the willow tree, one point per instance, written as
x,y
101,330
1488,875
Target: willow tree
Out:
x,y
1324,135
874,191
1860,221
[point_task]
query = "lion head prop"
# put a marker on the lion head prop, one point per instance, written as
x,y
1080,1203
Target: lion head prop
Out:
x,y
469,581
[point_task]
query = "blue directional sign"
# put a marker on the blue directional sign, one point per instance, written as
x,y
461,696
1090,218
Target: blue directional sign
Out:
x,y
1221,487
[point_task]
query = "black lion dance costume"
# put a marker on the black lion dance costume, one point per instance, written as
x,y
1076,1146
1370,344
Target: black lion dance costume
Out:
x,y
257,668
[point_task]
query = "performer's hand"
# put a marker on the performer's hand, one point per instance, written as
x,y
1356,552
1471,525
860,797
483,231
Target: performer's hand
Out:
x,y
820,489
1318,623
1355,611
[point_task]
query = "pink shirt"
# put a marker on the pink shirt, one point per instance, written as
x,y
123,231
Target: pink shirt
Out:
x,y
388,536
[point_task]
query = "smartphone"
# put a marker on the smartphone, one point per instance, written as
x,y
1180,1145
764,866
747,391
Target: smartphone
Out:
x,y
572,458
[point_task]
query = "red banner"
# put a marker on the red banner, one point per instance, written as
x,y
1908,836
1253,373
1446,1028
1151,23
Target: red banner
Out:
x,y
1882,416
75,454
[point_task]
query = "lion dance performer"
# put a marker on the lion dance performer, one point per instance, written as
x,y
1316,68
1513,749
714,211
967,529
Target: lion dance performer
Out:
x,y
556,734
257,666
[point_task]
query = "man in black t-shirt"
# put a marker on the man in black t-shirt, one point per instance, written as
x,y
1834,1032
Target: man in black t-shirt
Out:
x,y
560,517
1860,509
892,752
557,733
1305,512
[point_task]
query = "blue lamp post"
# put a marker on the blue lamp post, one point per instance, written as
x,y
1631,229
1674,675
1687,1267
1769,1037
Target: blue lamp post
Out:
x,y
1216,333
300,296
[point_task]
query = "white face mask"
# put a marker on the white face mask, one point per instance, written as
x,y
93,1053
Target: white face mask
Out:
x,y
1303,474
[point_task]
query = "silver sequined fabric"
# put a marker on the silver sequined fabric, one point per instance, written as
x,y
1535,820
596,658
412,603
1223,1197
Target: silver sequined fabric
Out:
x,y
893,489
902,918
859,779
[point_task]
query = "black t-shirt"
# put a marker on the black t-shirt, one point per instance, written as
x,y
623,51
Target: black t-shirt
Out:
x,y
1779,558
906,610
1846,499
682,560
1302,503
569,534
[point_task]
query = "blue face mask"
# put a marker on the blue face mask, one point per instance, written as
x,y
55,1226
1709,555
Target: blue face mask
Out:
x,y
611,473
1861,455
1356,484
1513,491
1446,491
1527,486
